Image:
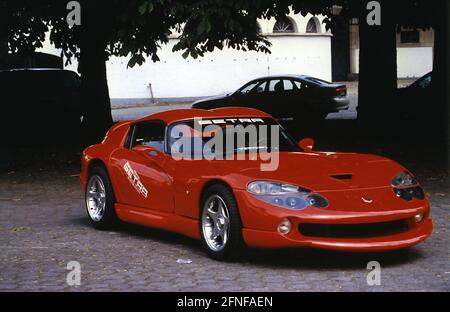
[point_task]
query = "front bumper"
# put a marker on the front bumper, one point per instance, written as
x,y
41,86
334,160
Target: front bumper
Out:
x,y
266,239
261,220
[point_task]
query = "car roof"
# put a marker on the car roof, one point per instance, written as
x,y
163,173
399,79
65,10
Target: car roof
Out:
x,y
191,113
281,77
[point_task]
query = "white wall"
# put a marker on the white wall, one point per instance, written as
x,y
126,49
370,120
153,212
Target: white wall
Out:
x,y
414,62
411,62
413,59
219,71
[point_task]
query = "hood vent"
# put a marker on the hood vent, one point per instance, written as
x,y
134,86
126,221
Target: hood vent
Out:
x,y
342,176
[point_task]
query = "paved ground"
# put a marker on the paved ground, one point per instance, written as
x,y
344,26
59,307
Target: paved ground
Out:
x,y
43,227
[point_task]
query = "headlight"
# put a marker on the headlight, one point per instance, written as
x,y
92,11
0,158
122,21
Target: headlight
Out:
x,y
274,188
286,195
406,186
404,179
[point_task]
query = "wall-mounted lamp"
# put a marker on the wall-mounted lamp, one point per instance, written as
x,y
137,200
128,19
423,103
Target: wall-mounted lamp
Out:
x,y
336,9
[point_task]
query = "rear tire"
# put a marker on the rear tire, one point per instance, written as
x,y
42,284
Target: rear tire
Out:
x,y
220,224
99,199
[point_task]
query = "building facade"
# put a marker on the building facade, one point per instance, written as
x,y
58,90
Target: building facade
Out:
x,y
300,45
414,51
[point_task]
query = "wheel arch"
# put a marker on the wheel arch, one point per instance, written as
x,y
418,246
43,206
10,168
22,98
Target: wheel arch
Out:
x,y
97,162
207,185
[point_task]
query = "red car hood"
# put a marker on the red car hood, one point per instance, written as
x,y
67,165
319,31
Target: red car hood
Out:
x,y
318,171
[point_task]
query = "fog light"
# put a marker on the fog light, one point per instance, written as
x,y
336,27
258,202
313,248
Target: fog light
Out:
x,y
418,217
284,227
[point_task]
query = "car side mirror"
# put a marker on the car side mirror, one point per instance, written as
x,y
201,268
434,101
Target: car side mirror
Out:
x,y
306,144
147,151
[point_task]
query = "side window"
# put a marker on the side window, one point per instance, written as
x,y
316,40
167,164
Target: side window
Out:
x,y
127,143
288,85
299,85
260,88
275,85
149,134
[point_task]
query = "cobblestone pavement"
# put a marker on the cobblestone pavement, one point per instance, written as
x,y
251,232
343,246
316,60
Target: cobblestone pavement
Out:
x,y
43,226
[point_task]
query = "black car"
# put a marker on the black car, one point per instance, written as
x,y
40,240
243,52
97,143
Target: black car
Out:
x,y
421,87
43,106
290,96
411,100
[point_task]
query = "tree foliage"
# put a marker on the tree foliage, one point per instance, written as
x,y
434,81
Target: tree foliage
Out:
x,y
137,28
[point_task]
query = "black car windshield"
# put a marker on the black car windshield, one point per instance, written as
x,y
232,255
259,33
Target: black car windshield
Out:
x,y
254,86
424,82
223,136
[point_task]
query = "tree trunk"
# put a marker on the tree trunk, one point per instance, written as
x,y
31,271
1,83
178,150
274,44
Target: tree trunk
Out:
x,y
439,110
340,52
377,67
95,93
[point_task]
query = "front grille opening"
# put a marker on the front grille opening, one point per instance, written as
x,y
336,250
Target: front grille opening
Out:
x,y
359,230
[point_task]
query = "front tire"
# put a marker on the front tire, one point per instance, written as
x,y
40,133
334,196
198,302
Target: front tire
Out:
x,y
99,198
220,224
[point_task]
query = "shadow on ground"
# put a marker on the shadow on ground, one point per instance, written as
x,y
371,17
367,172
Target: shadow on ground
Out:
x,y
315,259
304,258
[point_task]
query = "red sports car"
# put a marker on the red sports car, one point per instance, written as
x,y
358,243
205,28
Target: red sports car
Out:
x,y
178,171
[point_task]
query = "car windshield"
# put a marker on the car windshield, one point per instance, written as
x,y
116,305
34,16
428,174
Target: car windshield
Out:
x,y
255,86
424,82
224,136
